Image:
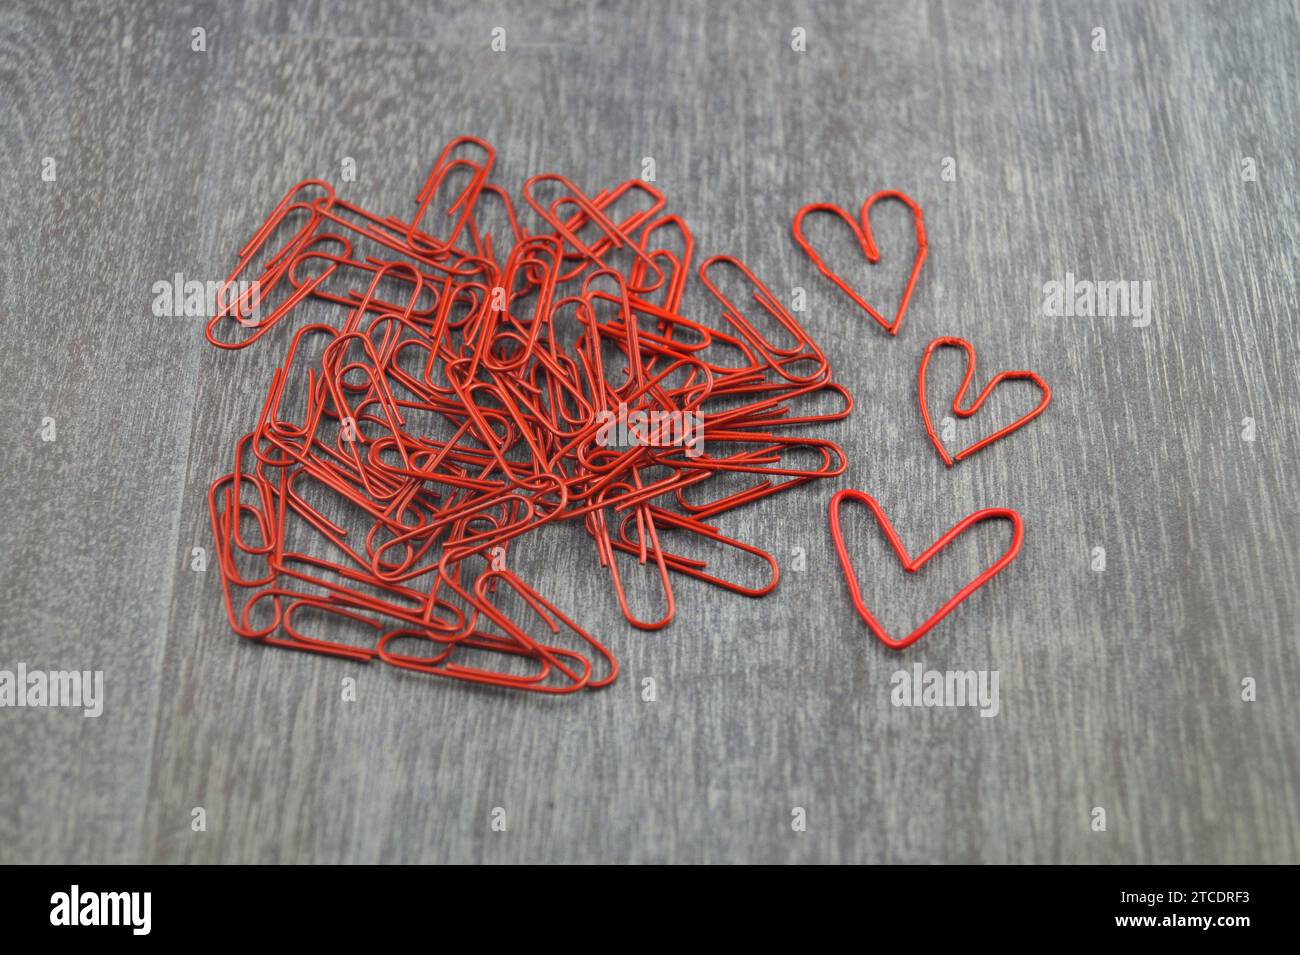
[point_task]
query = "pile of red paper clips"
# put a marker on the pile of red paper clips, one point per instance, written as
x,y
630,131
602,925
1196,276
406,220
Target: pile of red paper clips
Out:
x,y
481,380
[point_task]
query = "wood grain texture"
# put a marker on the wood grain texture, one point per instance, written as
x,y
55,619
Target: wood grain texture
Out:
x,y
1119,689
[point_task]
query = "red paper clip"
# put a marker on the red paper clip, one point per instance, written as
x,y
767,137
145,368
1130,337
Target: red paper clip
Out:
x,y
914,564
460,400
975,405
862,232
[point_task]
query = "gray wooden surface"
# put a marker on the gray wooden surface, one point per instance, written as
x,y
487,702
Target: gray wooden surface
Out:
x,y
1120,689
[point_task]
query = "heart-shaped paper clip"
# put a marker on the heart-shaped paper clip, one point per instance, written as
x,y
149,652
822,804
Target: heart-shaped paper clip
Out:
x,y
869,249
975,405
912,565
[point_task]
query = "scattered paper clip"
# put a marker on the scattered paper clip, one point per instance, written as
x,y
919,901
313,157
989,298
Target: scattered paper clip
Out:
x,y
462,395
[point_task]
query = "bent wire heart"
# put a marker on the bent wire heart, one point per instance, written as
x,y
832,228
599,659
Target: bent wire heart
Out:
x,y
959,411
912,565
869,249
